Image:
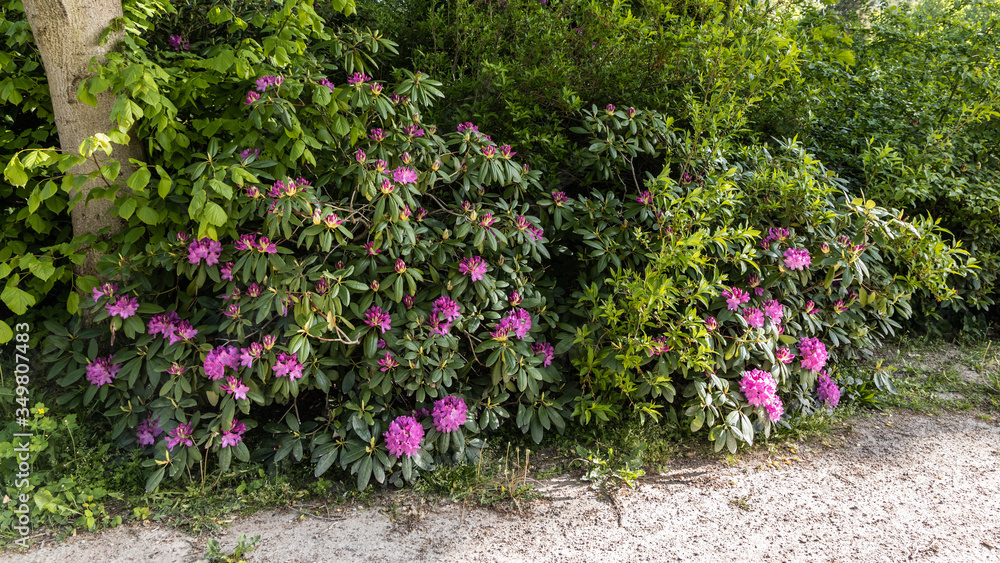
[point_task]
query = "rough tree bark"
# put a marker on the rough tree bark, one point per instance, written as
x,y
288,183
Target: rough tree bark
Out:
x,y
67,33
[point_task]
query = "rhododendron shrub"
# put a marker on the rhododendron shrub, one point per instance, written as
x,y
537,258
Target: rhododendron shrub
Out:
x,y
717,293
325,267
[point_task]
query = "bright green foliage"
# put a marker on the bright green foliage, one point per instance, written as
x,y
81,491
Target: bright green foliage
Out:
x,y
910,120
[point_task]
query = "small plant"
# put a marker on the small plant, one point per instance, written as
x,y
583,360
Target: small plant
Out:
x,y
214,553
600,468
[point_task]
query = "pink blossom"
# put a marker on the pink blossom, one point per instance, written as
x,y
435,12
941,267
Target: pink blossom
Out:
x,y
735,297
449,413
218,359
235,387
754,317
813,354
388,362
827,390
475,267
547,351
774,310
124,307
180,435
797,259
375,318
447,308
101,371
288,365
784,355
234,435
404,436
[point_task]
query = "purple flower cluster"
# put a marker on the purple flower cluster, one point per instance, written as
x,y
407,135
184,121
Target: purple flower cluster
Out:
x,y
148,430
735,297
644,198
325,82
761,390
797,259
358,78
559,198
235,387
517,321
774,234
813,354
375,318
754,317
181,434
178,43
251,242
101,371
266,81
774,310
449,413
446,308
234,435
404,436
388,362
218,359
413,131
475,267
171,327
827,390
288,365
245,154
104,290
546,350
784,355
404,175
467,126
125,306
205,249
711,324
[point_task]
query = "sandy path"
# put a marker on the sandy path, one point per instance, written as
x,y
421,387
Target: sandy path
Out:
x,y
897,487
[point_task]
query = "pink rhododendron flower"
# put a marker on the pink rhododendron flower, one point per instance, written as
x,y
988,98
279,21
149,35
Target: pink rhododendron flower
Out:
x,y
148,430
547,351
235,387
227,271
248,355
101,371
447,308
288,365
813,354
234,435
217,360
839,307
180,435
827,390
559,198
404,175
178,43
784,355
124,307
375,318
754,317
358,78
774,310
711,324
810,307
797,259
760,389
388,362
449,413
400,266
475,267
266,81
107,289
251,98
735,297
515,298
404,436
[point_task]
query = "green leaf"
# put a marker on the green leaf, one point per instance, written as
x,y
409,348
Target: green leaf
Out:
x,y
139,179
6,334
148,215
17,300
154,479
214,214
15,172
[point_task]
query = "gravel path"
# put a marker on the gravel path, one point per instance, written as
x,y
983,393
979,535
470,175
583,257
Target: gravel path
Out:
x,y
895,487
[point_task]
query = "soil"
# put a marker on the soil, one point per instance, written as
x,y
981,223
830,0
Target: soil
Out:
x,y
889,487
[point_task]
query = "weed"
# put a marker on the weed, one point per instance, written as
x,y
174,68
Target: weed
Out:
x,y
214,553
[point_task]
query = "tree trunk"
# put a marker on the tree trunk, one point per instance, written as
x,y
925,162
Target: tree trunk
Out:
x,y
67,33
